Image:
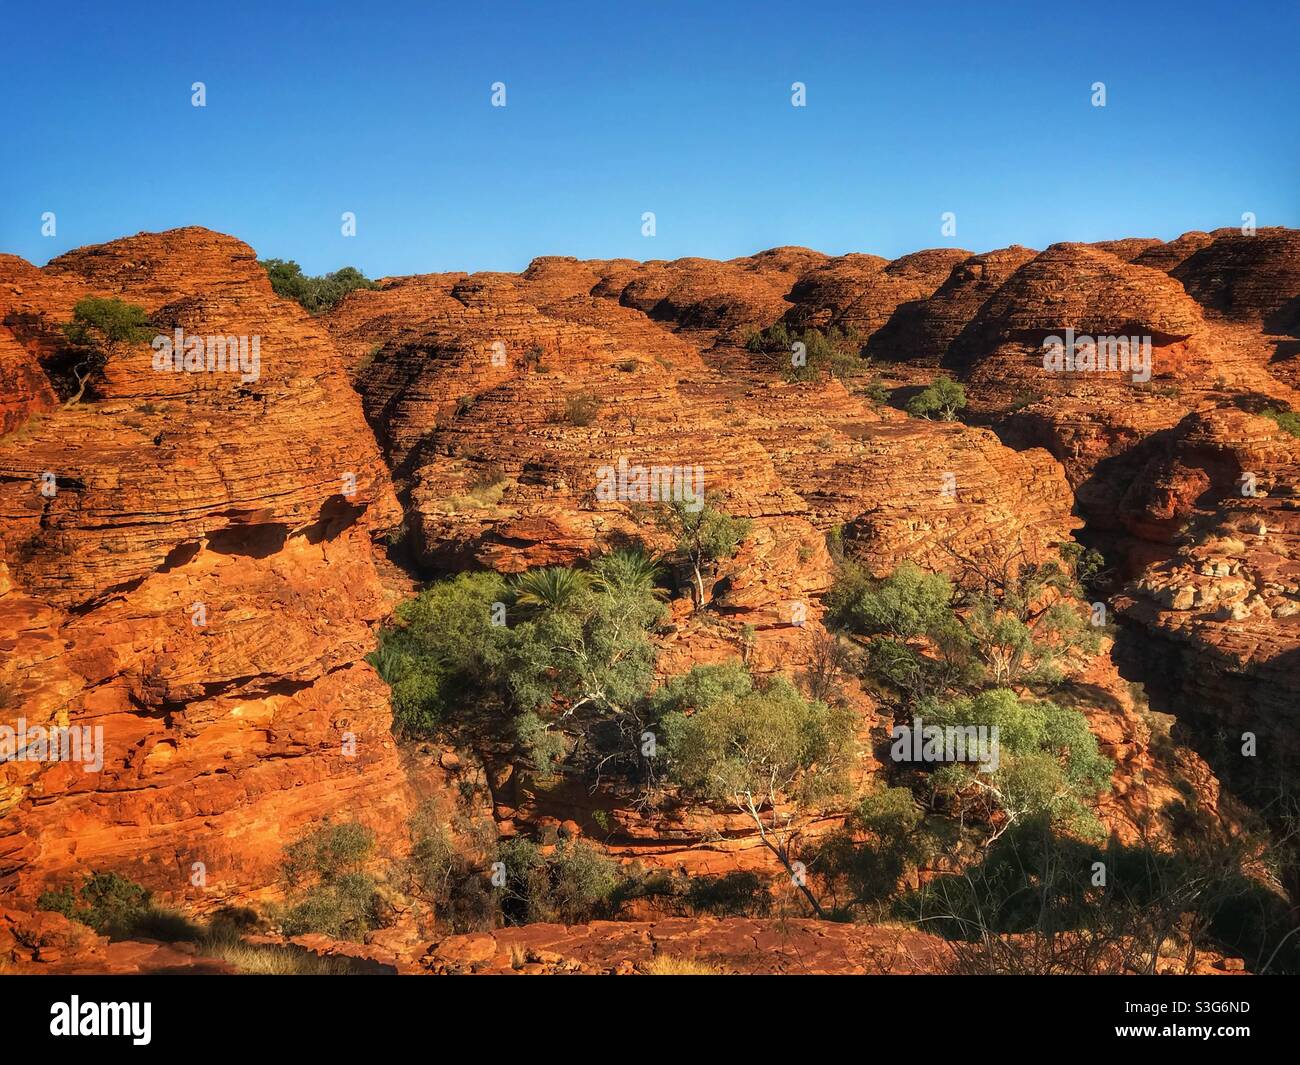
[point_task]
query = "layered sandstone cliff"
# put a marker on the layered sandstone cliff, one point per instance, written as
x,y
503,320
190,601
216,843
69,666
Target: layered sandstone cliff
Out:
x,y
259,508
186,565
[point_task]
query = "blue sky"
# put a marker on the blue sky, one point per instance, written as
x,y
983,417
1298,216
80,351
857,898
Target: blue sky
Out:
x,y
614,109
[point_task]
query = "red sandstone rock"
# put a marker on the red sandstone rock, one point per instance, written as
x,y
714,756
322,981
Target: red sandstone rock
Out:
x,y
255,501
223,741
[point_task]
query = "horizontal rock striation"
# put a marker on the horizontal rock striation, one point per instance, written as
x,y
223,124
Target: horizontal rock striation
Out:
x,y
195,579
193,562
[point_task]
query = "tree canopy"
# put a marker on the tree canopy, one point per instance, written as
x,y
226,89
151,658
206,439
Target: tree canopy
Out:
x,y
315,294
944,398
100,328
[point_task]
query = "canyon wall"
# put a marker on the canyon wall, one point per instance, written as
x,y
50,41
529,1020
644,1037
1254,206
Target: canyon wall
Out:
x,y
186,564
197,562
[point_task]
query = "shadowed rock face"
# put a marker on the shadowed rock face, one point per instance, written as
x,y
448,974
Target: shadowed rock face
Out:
x,y
1075,286
1223,607
923,329
490,402
1247,279
861,292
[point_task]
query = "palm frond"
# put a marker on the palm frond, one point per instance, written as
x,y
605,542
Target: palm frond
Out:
x,y
631,570
550,588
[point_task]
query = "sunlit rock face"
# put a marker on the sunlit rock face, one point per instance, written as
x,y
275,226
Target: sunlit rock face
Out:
x,y
195,561
187,570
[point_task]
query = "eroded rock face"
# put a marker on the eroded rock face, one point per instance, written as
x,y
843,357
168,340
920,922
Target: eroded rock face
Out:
x,y
922,330
1075,286
861,292
1247,278
1148,459
492,402
196,581
1224,608
469,392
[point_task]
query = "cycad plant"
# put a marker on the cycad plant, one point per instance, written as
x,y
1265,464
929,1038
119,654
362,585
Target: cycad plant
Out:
x,y
550,588
629,570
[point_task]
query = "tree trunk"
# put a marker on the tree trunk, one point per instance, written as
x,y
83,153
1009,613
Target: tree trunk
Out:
x,y
784,859
81,385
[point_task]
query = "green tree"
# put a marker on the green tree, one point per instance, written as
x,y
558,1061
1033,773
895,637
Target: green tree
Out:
x,y
919,644
315,294
763,749
101,329
944,397
705,537
1005,625
443,657
908,603
1048,762
883,840
555,663
590,655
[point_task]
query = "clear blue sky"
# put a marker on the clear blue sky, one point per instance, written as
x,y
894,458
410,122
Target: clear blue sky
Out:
x,y
613,109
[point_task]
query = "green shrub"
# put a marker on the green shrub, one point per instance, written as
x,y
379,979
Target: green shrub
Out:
x,y
110,904
878,392
331,893
346,908
582,409
906,604
453,882
738,894
573,884
836,352
628,571
883,840
328,852
315,294
1287,421
550,588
